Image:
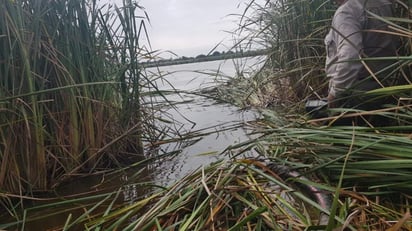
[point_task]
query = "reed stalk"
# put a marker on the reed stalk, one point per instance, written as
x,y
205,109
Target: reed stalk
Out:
x,y
70,85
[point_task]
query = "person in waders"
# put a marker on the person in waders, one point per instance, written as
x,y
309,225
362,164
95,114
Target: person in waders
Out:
x,y
357,35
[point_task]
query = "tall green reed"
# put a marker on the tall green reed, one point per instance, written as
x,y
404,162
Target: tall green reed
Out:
x,y
293,31
69,90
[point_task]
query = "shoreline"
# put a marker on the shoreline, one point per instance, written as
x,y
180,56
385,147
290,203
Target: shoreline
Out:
x,y
203,58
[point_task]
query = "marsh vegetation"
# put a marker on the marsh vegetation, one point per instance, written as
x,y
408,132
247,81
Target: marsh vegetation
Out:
x,y
75,102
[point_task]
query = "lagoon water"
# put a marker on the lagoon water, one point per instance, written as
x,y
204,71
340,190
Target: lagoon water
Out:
x,y
195,114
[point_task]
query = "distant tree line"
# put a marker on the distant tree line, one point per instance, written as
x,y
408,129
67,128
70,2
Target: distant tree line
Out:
x,y
216,55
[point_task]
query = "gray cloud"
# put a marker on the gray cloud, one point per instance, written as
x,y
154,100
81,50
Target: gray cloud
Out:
x,y
191,27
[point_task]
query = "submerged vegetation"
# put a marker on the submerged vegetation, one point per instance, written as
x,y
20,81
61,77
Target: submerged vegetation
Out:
x,y
72,103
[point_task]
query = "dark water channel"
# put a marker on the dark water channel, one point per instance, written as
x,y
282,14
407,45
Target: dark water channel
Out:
x,y
215,127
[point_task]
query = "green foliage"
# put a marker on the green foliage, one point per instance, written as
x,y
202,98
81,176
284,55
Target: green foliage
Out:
x,y
66,69
293,31
297,31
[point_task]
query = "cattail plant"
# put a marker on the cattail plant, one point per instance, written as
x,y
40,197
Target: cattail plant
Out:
x,y
69,90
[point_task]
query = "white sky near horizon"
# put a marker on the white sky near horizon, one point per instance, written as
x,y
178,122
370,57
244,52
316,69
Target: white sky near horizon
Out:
x,y
191,27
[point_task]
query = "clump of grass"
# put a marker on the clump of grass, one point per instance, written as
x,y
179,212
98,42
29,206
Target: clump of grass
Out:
x,y
293,32
70,90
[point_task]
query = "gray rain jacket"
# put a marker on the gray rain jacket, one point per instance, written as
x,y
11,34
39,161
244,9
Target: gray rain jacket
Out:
x,y
354,35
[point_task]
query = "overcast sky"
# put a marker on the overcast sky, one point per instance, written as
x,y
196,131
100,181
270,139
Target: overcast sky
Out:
x,y
191,27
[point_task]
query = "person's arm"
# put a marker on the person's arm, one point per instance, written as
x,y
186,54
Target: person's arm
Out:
x,y
349,45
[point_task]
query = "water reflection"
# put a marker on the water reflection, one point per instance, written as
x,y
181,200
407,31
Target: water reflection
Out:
x,y
221,124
